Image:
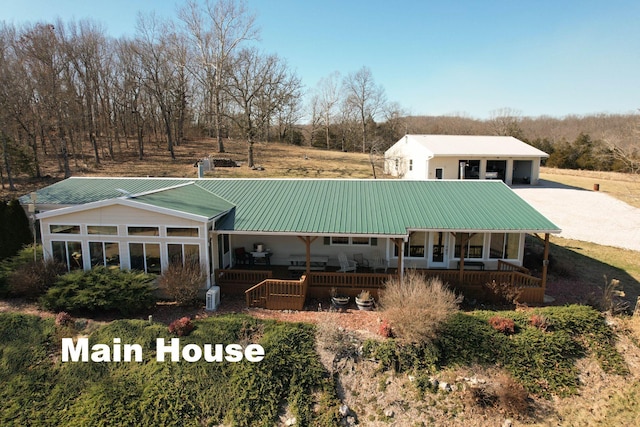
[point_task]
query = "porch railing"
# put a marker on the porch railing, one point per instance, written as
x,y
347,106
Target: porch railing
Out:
x,y
507,266
276,294
320,283
236,282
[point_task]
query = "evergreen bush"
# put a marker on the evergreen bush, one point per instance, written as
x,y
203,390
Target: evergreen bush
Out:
x,y
100,289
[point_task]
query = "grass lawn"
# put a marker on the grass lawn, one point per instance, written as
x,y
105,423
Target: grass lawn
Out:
x,y
625,187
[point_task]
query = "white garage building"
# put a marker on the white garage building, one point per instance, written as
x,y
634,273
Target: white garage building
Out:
x,y
506,158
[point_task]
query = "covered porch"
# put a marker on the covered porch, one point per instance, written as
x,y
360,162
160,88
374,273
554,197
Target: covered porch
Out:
x,y
273,287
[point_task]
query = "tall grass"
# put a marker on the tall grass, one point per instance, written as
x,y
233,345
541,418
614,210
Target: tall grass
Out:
x,y
416,306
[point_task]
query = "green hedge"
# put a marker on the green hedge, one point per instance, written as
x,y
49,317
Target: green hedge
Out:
x,y
100,289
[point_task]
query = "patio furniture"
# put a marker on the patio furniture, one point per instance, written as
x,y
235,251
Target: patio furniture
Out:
x,y
241,256
360,260
379,262
346,264
298,263
263,257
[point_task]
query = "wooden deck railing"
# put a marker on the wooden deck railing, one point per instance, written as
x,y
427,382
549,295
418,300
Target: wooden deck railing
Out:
x,y
507,266
276,294
320,284
236,282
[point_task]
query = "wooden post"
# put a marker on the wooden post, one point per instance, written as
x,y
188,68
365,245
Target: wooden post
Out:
x,y
399,244
307,242
545,261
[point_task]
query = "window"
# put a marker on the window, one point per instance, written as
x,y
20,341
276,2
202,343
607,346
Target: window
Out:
x,y
345,240
410,164
183,253
182,232
145,257
504,246
64,229
360,241
68,253
339,240
143,231
104,253
107,230
415,247
474,247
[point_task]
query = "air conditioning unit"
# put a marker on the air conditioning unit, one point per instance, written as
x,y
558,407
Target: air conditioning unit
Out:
x,y
213,298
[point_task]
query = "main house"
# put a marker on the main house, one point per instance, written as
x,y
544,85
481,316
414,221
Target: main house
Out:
x,y
147,223
464,157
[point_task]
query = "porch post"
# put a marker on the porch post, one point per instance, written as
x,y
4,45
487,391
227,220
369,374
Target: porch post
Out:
x,y
307,242
545,261
400,246
463,243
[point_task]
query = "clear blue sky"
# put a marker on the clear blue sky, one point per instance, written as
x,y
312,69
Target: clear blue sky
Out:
x,y
539,57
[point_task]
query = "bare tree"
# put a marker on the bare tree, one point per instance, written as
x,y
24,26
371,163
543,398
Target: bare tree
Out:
x,y
260,85
328,93
217,31
506,122
365,97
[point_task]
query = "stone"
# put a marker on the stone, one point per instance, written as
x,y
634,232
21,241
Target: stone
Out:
x,y
444,386
507,423
389,413
343,410
291,421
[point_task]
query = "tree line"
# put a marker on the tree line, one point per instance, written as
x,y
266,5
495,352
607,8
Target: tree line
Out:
x,y
68,89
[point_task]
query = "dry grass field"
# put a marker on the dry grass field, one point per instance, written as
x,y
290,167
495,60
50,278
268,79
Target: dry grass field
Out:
x,y
625,187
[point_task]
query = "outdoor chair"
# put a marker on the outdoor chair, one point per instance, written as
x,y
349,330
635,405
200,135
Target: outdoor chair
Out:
x,y
379,262
346,264
242,257
360,260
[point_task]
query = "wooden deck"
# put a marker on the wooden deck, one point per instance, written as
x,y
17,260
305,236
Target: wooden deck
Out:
x,y
273,289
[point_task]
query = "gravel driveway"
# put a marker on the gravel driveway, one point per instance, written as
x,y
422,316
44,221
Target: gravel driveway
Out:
x,y
585,215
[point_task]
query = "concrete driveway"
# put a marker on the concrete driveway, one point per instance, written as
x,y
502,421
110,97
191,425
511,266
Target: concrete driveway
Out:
x,y
586,215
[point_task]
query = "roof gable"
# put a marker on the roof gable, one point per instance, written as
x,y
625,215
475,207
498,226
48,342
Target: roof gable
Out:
x,y
472,145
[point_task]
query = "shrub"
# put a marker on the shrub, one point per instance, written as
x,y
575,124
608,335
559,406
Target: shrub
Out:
x,y
181,327
539,321
504,292
63,319
183,282
416,307
32,279
502,324
100,289
9,265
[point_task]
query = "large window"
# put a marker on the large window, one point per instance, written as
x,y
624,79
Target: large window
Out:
x,y
68,253
182,253
104,253
64,229
143,231
504,246
145,257
474,247
415,247
105,230
182,232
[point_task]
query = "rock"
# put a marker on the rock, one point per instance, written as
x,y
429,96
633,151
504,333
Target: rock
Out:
x,y
507,423
411,378
343,410
389,413
444,387
434,382
291,422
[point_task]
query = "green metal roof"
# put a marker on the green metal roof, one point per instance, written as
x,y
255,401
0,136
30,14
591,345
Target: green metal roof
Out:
x,y
321,206
188,198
